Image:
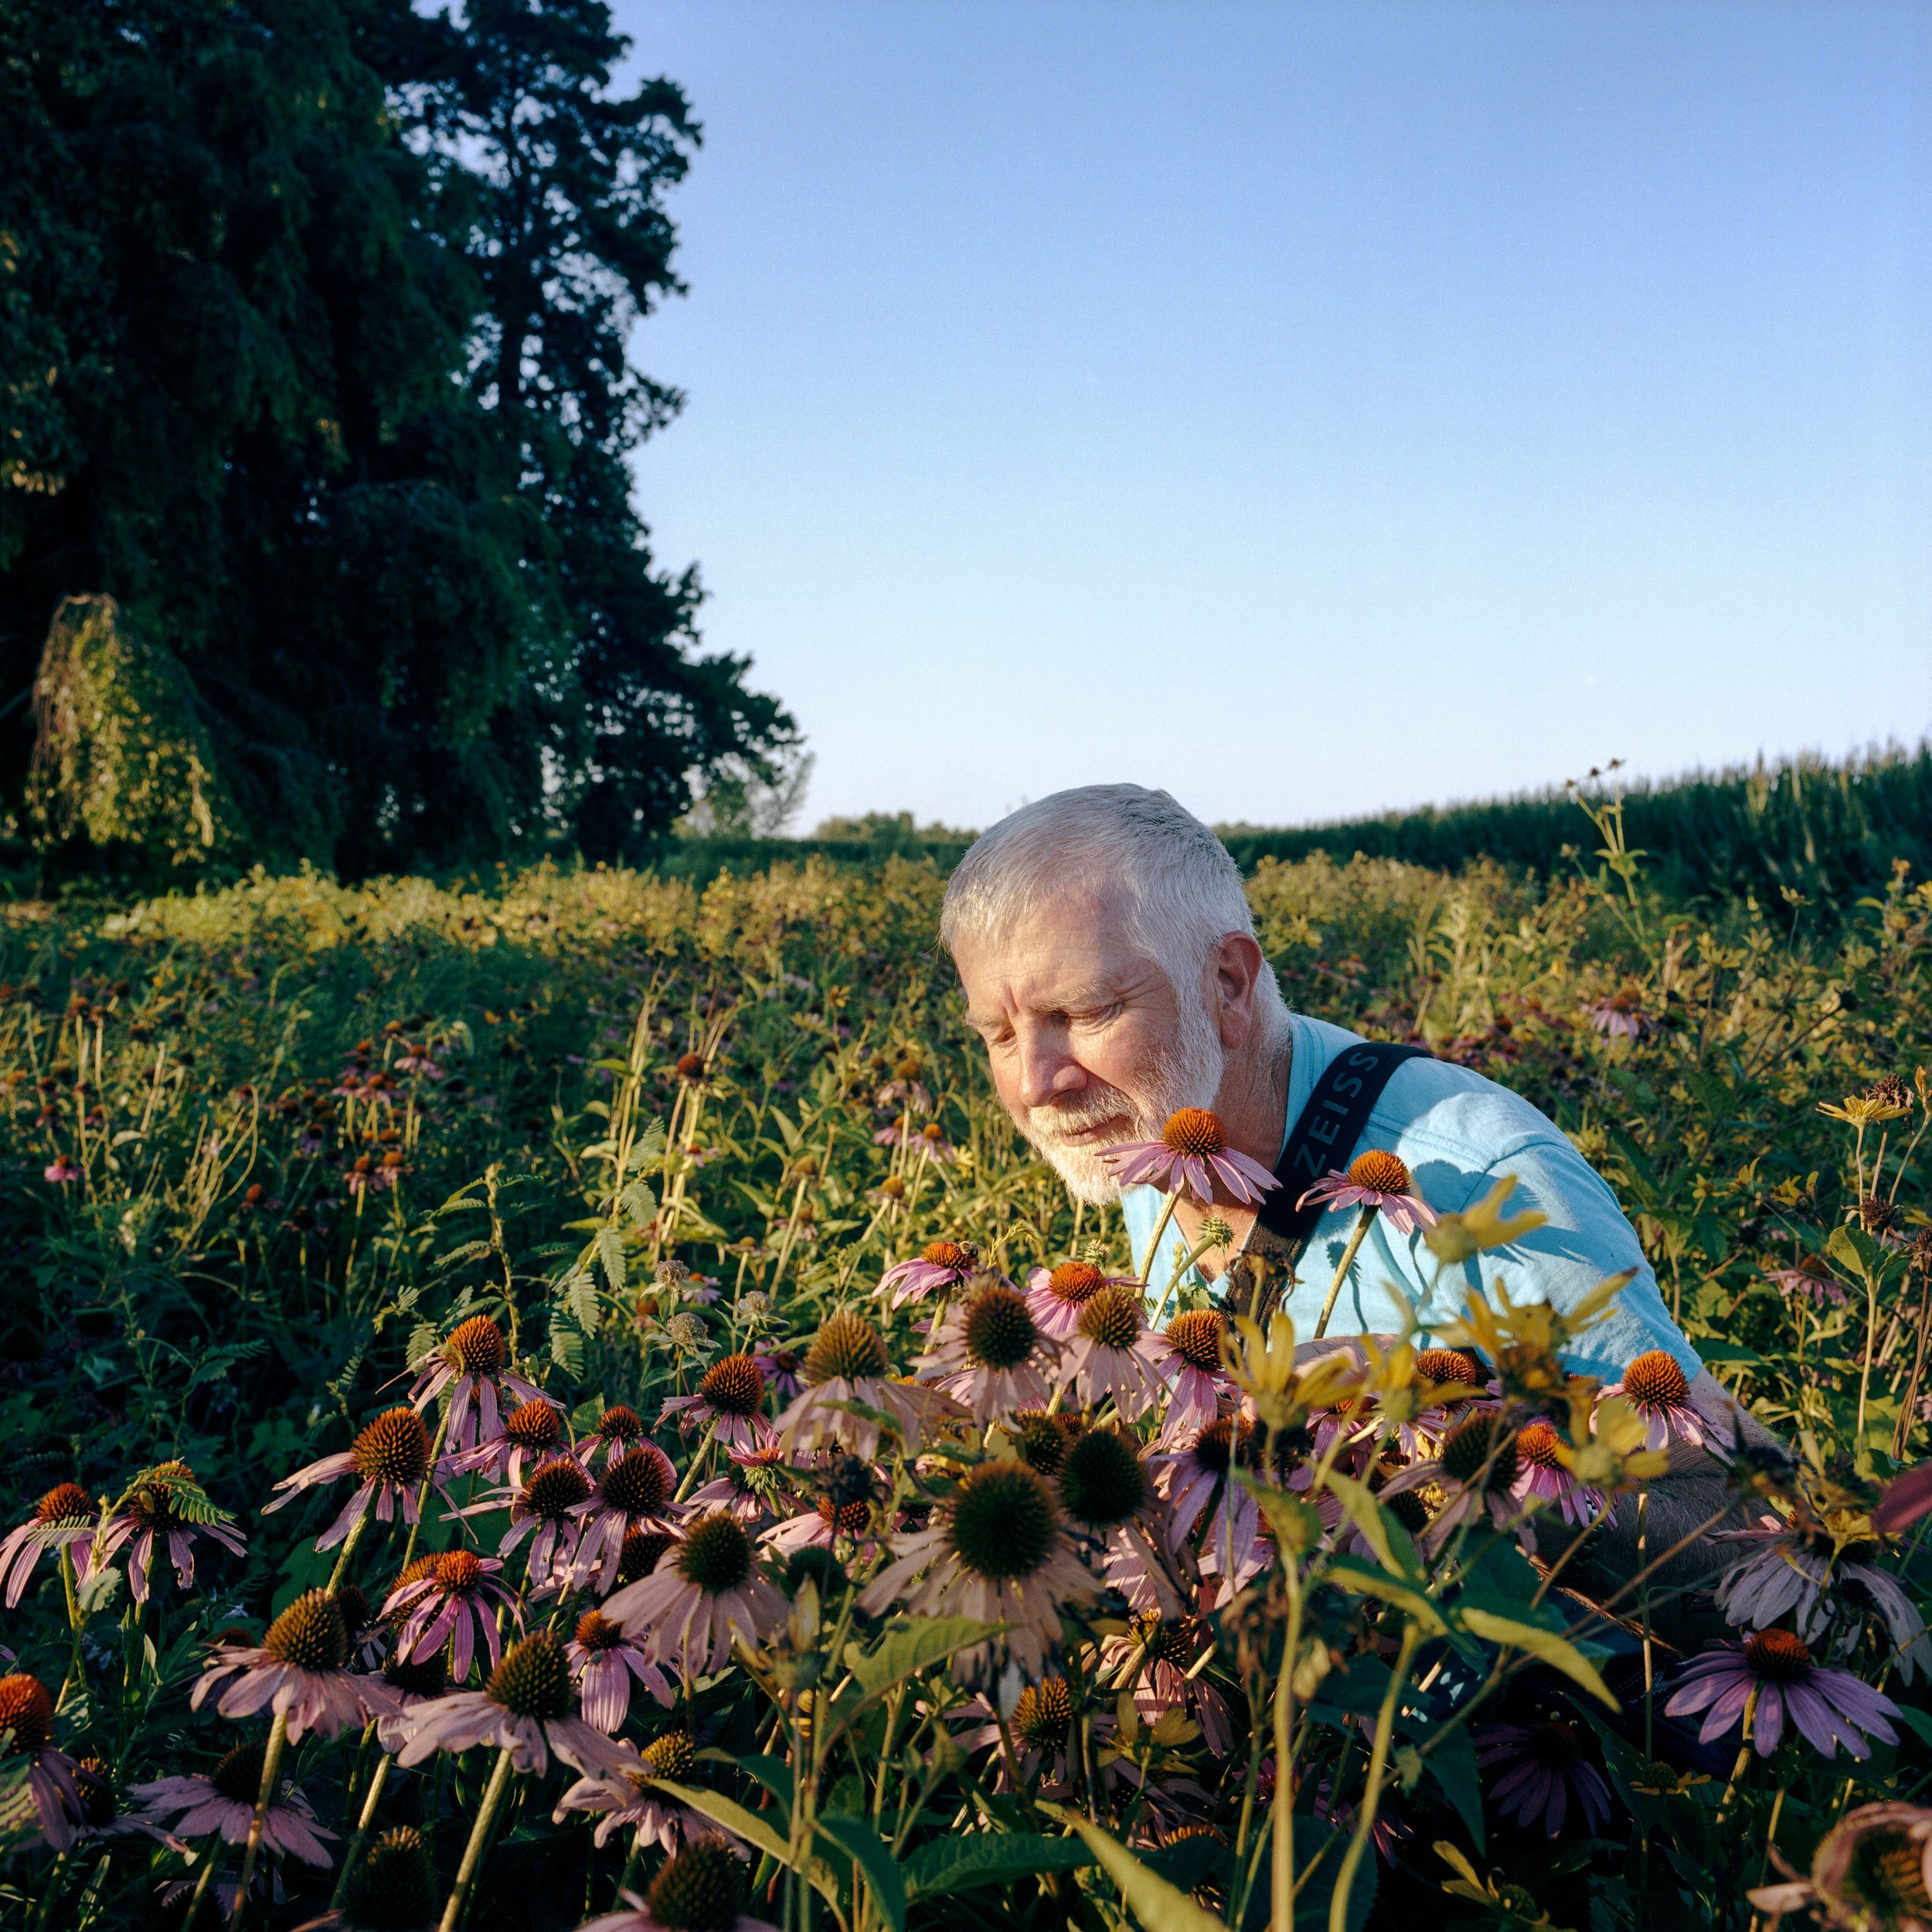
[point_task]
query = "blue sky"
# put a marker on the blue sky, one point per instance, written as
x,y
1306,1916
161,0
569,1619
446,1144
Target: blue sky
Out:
x,y
1309,409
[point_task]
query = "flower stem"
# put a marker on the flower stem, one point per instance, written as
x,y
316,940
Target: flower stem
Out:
x,y
347,1550
372,1797
697,1460
479,1836
1744,1759
1160,1228
211,1857
1364,1216
422,1491
271,1772
1282,1852
1372,1791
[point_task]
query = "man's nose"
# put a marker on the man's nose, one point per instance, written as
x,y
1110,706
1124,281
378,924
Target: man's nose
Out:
x,y
1047,1070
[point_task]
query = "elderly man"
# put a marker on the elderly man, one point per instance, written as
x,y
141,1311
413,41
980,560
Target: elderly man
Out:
x,y
1108,955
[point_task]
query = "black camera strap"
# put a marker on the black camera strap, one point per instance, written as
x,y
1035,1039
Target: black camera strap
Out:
x,y
1324,1137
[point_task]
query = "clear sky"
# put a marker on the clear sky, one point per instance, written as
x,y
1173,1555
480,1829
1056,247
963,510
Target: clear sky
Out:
x,y
1310,408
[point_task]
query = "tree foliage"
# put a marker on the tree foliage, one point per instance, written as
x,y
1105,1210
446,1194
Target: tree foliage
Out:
x,y
313,321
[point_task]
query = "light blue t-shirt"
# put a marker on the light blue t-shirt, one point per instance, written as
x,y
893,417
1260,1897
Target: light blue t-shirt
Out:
x,y
1458,1133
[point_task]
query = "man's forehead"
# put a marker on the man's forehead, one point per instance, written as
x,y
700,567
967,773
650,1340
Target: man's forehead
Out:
x,y
1073,948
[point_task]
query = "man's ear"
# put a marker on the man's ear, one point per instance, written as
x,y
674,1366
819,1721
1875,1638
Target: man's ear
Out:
x,y
1233,968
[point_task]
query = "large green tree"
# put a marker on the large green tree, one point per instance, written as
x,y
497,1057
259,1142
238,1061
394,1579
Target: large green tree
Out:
x,y
313,323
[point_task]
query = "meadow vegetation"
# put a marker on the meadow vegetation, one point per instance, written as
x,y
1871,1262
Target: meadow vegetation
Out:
x,y
881,1625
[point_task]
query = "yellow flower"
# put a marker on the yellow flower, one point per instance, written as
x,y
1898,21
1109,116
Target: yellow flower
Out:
x,y
1864,1110
1262,1365
1455,1237
1525,1340
1610,1453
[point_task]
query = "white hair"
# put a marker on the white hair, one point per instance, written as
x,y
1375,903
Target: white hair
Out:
x,y
1177,884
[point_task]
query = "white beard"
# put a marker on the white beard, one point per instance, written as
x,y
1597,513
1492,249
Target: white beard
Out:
x,y
1187,1074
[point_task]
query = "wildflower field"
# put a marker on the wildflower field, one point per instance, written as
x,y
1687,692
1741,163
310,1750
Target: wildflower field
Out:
x,y
565,1400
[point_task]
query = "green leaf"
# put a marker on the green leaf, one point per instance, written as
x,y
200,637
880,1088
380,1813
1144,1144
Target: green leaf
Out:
x,y
750,1827
1852,1249
909,1648
1159,1906
1731,1352
1453,1766
586,1415
949,1864
610,1253
1558,1652
1349,1573
1365,1513
874,1857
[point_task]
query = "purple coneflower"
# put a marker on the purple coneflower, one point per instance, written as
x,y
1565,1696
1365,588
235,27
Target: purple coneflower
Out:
x,y
1476,1468
622,1801
730,1399
390,1457
989,1354
546,1509
1791,1570
1153,1663
297,1670
410,1686
1192,1359
1206,1506
1114,1354
619,1430
474,1364
532,1430
1544,1772
635,1492
687,1610
460,1599
223,1801
101,1814
1810,1279
1192,1152
847,1362
757,1483
1654,1385
1041,1726
165,1504
1621,1015
526,1709
63,1518
999,1552
26,1709
603,1661
1056,1295
781,1368
1543,1476
1872,1869
61,1172
1829,1707
1375,1178
938,1268
703,1889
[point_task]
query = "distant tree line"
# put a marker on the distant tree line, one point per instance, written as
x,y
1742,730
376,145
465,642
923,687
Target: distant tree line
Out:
x,y
313,323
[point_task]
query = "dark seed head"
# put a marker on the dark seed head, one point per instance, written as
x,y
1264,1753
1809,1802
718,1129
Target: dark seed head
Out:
x,y
98,1803
1102,1482
670,1756
1777,1657
1196,1337
643,1550
459,1572
1887,1877
1112,1319
420,1677
1003,1520
847,1348
394,1448
310,1634
555,1488
533,1425
640,1481
477,1348
533,1679
999,1327
620,1424
26,1710
394,1888
1076,1281
1481,1444
716,1554
733,1386
1040,1439
238,1775
703,1889
595,1631
66,1502
1443,1366
960,1257
1043,1715
357,1609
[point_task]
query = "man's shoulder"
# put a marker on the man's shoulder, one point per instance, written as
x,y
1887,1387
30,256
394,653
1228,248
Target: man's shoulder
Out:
x,y
1436,1107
